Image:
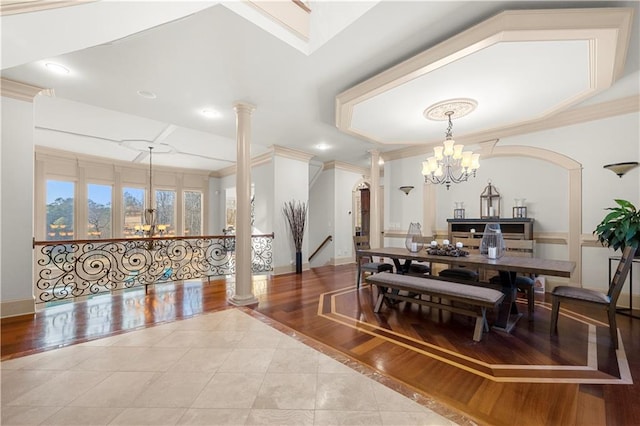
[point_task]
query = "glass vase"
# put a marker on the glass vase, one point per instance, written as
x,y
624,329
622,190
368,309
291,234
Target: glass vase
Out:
x,y
492,245
414,245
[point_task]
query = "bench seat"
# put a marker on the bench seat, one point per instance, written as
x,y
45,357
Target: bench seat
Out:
x,y
477,298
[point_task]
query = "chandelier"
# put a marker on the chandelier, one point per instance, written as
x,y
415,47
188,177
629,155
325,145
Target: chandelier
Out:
x,y
449,163
149,226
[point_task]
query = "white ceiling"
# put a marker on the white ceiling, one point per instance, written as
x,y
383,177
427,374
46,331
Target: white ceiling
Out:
x,y
211,57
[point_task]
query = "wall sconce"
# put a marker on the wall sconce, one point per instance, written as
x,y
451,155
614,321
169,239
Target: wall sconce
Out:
x,y
406,189
621,168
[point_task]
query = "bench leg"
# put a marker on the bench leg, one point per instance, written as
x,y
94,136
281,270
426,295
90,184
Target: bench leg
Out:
x,y
481,323
477,333
379,301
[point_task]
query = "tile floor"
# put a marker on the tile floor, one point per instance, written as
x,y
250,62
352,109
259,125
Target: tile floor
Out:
x,y
222,368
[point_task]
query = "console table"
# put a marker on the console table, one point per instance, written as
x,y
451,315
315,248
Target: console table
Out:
x,y
623,311
514,229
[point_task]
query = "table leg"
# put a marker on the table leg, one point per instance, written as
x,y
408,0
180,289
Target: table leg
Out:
x,y
402,268
508,314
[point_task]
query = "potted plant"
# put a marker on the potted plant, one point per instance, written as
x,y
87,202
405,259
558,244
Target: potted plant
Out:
x,y
296,214
621,227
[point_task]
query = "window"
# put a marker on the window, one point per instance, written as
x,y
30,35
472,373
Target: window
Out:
x,y
192,213
60,204
166,212
133,206
99,211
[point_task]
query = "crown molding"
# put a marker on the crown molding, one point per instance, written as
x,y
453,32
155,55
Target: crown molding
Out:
x,y
346,167
13,7
85,160
21,91
265,158
293,154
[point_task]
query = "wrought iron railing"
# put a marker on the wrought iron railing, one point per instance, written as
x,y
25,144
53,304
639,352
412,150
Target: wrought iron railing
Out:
x,y
76,268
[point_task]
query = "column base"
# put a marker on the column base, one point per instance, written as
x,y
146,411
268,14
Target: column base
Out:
x,y
243,300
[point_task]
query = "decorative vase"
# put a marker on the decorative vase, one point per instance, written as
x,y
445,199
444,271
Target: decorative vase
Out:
x,y
414,245
298,262
492,245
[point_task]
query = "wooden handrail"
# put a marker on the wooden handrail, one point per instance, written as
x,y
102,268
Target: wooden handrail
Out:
x,y
117,240
326,240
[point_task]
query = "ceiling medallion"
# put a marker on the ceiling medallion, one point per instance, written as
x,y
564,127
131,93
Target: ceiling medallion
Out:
x,y
441,111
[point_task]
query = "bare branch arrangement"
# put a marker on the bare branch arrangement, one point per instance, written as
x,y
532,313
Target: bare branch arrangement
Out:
x,y
296,214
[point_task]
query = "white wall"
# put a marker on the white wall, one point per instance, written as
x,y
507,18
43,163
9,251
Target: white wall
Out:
x,y
262,178
16,209
291,182
321,217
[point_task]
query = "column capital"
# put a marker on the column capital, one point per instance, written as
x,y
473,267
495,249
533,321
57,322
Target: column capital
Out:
x,y
244,106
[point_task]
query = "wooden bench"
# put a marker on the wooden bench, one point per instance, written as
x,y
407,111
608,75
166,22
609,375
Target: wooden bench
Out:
x,y
478,299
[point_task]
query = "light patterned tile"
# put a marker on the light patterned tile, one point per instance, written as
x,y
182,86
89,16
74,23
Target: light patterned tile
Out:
x,y
287,391
214,417
280,417
173,389
61,389
25,415
345,392
248,360
230,390
118,390
201,339
267,339
155,359
148,416
202,359
111,358
83,416
399,418
351,418
14,383
289,360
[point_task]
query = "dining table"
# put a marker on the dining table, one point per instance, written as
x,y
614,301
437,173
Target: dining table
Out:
x,y
506,266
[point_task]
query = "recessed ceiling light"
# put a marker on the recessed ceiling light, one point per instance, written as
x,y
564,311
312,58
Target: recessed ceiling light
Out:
x,y
322,146
146,94
56,68
210,113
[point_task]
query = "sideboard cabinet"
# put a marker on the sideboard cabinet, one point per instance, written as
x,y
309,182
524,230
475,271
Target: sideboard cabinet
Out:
x,y
512,229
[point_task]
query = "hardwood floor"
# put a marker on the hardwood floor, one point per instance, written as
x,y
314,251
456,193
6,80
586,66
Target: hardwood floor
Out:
x,y
524,378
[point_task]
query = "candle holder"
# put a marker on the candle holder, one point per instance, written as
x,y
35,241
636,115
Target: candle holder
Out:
x,y
458,212
519,212
519,209
492,245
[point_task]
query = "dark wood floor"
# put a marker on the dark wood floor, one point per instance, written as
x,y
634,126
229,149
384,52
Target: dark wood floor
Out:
x,y
524,378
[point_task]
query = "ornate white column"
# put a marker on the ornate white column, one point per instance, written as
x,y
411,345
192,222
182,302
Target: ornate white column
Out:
x,y
243,294
374,204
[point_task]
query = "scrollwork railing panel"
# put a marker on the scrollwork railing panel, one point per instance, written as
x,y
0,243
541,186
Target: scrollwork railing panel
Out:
x,y
68,269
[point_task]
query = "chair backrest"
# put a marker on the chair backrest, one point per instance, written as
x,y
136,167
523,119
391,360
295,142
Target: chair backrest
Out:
x,y
361,242
422,239
519,248
621,274
471,245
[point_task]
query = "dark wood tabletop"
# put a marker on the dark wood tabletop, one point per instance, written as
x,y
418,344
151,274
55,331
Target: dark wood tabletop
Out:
x,y
524,265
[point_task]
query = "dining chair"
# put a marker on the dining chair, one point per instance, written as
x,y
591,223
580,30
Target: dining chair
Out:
x,y
593,298
366,263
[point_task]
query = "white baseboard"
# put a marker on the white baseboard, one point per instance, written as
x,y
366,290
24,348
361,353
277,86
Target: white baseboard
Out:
x,y
14,308
288,269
